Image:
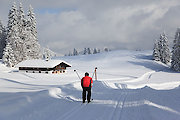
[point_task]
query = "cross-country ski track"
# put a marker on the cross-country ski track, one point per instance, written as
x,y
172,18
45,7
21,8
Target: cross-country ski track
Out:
x,y
117,104
64,103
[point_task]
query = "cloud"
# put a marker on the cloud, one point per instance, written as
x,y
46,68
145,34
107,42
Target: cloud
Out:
x,y
123,24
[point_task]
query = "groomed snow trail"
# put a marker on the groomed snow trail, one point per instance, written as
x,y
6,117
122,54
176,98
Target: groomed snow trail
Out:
x,y
119,104
102,107
64,103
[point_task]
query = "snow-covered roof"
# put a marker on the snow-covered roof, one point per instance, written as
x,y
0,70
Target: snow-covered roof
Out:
x,y
41,63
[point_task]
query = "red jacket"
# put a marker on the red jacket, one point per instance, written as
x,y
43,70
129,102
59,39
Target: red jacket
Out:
x,y
86,81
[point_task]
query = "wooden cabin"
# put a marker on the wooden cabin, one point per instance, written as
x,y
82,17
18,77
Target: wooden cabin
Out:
x,y
43,66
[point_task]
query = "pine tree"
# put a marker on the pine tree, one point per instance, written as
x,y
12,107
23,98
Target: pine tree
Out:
x,y
48,54
33,47
2,39
70,54
95,51
88,51
165,51
22,34
156,51
175,63
12,32
85,51
161,49
75,52
21,22
8,56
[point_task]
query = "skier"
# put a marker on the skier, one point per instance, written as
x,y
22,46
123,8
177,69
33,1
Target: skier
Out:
x,y
86,84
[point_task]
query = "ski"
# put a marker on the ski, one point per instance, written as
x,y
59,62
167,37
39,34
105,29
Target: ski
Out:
x,y
87,102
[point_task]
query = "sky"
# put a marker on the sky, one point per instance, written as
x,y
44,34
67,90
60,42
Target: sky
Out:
x,y
63,25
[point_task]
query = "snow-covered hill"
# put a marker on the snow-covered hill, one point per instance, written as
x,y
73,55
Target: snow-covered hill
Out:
x,y
130,86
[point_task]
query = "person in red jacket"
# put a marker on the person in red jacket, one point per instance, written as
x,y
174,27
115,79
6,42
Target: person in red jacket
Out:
x,y
86,84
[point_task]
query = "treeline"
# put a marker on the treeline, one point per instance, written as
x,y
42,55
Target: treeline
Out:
x,y
86,51
161,51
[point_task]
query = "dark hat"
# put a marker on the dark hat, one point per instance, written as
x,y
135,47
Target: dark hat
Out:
x,y
86,74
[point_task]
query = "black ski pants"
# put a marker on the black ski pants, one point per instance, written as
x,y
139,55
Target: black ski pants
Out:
x,y
88,90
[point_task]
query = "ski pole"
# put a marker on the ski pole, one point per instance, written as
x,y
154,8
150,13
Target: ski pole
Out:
x,y
77,74
94,72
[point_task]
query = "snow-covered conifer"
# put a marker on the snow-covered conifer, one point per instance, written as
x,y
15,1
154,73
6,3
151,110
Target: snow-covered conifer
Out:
x,y
33,47
75,52
12,27
22,35
175,63
8,56
70,54
88,51
48,54
21,22
12,32
156,51
85,51
164,51
95,51
2,39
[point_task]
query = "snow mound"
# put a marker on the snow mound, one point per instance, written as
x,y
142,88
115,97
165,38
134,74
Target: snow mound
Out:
x,y
55,92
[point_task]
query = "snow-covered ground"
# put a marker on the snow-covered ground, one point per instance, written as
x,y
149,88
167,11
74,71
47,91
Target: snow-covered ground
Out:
x,y
130,86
